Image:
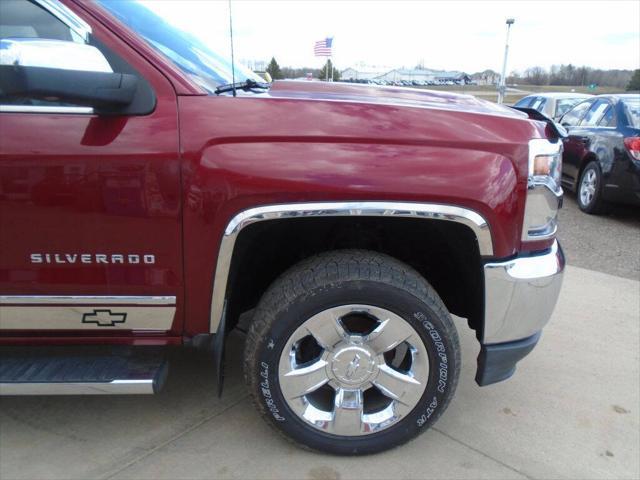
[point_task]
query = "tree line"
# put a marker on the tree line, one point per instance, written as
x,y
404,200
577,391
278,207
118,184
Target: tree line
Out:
x,y
556,75
572,75
277,72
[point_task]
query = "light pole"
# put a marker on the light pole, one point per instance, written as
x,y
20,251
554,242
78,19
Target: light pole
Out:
x,y
502,87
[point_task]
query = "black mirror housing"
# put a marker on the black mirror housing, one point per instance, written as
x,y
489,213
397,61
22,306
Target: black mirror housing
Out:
x,y
105,92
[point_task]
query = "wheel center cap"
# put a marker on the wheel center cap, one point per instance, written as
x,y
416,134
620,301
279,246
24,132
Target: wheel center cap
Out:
x,y
352,365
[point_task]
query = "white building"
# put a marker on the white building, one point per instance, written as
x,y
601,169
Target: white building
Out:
x,y
488,77
361,74
405,75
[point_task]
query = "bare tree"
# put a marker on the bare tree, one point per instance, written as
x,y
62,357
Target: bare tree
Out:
x,y
536,76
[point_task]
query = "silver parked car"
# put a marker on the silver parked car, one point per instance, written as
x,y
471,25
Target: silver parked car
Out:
x,y
553,105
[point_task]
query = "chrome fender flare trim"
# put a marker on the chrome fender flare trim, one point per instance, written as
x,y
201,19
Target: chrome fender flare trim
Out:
x,y
426,211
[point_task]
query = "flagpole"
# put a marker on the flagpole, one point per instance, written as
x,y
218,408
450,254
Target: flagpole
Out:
x,y
331,59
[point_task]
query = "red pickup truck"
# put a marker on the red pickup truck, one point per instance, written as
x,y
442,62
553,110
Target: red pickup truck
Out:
x,y
152,194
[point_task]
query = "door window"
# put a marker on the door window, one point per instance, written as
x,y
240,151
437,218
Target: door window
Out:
x,y
525,102
632,109
22,20
538,103
43,36
563,105
25,19
573,116
596,113
608,119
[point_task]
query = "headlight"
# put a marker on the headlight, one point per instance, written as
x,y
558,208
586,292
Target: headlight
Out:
x,y
547,167
544,194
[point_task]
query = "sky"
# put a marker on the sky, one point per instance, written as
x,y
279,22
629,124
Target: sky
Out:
x,y
449,35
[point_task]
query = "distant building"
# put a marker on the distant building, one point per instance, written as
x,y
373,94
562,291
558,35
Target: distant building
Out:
x,y
488,77
405,75
361,74
255,65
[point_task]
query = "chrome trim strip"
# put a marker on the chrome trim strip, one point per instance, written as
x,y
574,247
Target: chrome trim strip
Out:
x,y
520,295
428,211
67,16
44,109
85,300
87,313
116,387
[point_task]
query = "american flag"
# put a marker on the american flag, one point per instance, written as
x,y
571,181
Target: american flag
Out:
x,y
322,48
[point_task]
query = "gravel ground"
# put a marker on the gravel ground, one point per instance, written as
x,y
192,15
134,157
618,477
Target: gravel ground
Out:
x,y
606,243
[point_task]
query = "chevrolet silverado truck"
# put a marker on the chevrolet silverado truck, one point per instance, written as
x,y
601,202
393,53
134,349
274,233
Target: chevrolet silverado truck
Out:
x,y
154,194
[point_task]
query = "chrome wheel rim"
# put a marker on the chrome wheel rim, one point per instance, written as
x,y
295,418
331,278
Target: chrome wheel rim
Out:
x,y
588,187
353,370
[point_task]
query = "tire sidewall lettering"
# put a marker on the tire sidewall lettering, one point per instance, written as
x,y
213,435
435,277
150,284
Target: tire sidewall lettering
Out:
x,y
439,370
266,383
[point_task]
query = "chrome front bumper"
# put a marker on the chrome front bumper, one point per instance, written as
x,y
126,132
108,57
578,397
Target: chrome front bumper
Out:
x,y
520,295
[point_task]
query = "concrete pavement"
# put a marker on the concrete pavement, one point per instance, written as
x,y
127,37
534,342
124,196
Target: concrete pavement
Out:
x,y
571,411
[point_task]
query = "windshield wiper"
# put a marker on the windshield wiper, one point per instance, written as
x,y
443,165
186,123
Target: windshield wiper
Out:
x,y
248,84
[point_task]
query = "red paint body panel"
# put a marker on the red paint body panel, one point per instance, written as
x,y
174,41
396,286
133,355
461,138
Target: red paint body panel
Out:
x,y
89,184
168,183
257,150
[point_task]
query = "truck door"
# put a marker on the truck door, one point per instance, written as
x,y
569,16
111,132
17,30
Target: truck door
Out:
x,y
90,232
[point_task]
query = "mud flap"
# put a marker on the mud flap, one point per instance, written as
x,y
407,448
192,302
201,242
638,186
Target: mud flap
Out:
x,y
218,349
497,362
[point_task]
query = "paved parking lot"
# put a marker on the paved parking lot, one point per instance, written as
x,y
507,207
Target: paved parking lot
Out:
x,y
606,243
571,411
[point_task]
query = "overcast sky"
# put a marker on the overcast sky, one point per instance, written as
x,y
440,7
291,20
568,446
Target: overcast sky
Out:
x,y
450,35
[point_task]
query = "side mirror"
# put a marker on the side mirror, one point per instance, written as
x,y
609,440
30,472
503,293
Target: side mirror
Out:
x,y
63,71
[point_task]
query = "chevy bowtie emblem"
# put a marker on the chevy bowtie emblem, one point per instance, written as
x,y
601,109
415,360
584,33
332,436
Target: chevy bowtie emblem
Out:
x,y
353,366
104,318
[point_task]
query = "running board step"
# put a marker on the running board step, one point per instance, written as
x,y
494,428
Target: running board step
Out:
x,y
81,371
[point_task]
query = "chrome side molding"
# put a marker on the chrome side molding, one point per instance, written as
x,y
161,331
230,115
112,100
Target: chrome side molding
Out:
x,y
426,211
59,312
85,300
115,387
45,109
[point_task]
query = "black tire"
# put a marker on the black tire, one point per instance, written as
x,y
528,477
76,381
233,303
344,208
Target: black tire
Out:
x,y
339,278
594,204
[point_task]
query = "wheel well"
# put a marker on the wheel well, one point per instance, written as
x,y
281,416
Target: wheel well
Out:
x,y
590,157
445,253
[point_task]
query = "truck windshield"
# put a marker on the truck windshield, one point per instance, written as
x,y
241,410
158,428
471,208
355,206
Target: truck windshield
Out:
x,y
192,54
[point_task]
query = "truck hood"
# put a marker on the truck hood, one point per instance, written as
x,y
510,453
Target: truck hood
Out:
x,y
394,96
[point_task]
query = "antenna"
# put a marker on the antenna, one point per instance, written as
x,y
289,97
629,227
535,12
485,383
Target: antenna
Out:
x,y
233,63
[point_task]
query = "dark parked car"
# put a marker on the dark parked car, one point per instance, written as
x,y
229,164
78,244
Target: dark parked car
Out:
x,y
601,160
